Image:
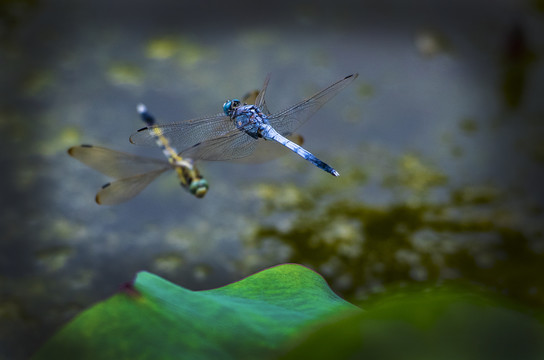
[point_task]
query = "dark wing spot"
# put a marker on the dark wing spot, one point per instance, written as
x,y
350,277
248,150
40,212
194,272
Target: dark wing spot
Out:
x,y
142,129
86,145
106,185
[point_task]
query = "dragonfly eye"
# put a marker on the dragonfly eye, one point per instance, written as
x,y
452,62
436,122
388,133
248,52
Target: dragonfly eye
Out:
x,y
199,188
230,105
227,107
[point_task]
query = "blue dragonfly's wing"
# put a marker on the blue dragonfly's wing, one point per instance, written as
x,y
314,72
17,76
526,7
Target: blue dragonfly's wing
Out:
x,y
288,120
116,164
234,145
238,146
260,99
124,189
216,137
270,150
185,134
256,97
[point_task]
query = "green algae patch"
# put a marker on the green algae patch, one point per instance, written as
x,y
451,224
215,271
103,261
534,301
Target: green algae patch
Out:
x,y
152,318
125,74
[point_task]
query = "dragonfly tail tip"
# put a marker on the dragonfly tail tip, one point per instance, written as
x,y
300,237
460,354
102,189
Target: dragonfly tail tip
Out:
x,y
141,108
335,173
354,76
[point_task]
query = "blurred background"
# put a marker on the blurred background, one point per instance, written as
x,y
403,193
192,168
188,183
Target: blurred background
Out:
x,y
438,143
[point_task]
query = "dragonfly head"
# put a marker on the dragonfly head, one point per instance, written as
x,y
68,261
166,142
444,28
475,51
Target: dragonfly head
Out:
x,y
199,187
230,105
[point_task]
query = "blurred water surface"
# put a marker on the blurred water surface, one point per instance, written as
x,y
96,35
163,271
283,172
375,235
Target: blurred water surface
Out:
x,y
438,143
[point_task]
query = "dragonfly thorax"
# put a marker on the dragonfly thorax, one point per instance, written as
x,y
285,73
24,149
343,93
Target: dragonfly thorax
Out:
x,y
191,180
178,161
249,119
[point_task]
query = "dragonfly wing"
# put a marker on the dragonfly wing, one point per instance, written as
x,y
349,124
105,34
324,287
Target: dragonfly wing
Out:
x,y
185,134
115,164
124,189
256,97
231,146
288,120
260,100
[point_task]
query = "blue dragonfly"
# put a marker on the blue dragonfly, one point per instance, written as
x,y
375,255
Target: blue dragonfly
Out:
x,y
236,133
133,173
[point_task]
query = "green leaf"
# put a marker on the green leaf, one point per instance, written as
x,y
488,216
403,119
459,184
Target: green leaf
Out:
x,y
440,323
155,319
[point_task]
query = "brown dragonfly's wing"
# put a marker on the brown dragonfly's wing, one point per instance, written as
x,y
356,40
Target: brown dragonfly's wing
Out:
x,y
115,164
124,189
250,97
